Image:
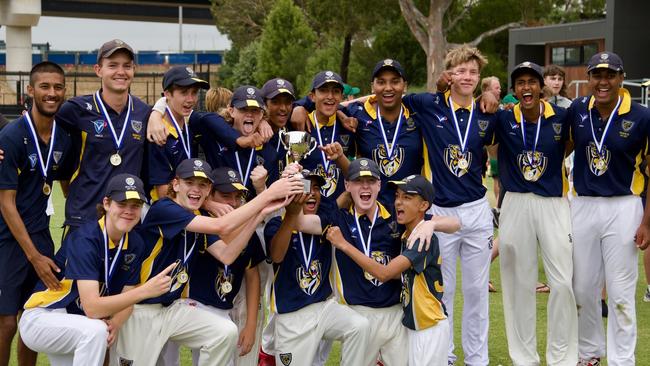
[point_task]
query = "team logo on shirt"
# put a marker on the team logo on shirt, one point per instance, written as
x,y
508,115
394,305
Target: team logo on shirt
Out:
x,y
136,125
331,179
388,166
532,164
259,160
57,156
286,358
381,258
457,162
626,126
32,160
410,124
345,140
483,124
405,295
309,280
598,163
219,283
125,362
557,127
99,125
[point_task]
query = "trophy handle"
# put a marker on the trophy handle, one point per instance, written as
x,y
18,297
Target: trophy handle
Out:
x,y
281,135
312,146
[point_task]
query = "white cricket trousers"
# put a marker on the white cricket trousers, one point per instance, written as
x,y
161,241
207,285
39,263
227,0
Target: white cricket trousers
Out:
x,y
604,253
473,245
67,339
526,220
388,337
298,334
428,347
150,326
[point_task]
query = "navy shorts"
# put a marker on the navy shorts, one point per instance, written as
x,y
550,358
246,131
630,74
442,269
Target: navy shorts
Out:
x,y
17,276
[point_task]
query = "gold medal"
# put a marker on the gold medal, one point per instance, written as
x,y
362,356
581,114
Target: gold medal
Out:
x,y
226,287
183,277
368,276
47,189
304,283
462,163
116,159
529,175
600,165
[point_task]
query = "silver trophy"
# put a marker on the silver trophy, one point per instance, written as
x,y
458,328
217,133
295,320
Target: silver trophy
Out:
x,y
299,145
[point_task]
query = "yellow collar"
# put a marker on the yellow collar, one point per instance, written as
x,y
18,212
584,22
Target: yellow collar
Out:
x,y
330,122
170,126
112,245
371,108
456,106
626,103
383,212
548,111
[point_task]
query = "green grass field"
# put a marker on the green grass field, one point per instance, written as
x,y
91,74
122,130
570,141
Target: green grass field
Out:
x,y
498,348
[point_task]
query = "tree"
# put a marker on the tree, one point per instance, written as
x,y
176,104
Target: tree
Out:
x,y
431,31
286,43
243,73
241,20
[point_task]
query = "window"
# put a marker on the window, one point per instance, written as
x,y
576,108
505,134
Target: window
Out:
x,y
573,55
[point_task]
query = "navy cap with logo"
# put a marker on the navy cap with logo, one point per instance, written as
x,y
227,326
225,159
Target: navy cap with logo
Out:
x,y
189,168
415,184
110,47
605,60
227,180
363,167
247,96
529,68
277,86
182,76
325,77
391,65
124,187
313,176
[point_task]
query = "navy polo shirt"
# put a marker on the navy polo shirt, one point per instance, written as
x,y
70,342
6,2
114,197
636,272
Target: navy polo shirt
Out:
x,y
349,280
81,257
454,184
210,275
544,166
82,117
21,171
213,134
407,154
624,148
166,242
295,283
249,157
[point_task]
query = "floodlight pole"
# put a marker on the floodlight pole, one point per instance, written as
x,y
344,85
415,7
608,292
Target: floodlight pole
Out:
x,y
180,29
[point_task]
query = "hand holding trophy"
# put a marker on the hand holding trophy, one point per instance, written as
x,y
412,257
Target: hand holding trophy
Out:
x,y
299,145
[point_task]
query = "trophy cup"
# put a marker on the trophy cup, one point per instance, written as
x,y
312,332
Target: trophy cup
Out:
x,y
299,145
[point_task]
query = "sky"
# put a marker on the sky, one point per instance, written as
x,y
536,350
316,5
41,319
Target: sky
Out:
x,y
73,34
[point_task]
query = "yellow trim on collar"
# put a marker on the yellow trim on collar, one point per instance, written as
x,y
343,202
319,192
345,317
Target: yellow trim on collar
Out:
x,y
171,130
330,122
112,245
383,212
456,106
548,110
626,103
371,109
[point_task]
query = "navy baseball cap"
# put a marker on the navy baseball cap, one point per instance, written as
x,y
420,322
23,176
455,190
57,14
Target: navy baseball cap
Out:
x,y
605,60
189,168
391,65
530,68
415,184
247,96
182,76
363,167
277,86
124,187
112,46
227,180
325,77
314,176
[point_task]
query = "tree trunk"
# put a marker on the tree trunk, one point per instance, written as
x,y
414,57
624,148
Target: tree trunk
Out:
x,y
436,49
345,57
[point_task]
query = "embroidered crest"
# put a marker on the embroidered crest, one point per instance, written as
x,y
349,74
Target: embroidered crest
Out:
x,y
483,124
557,127
99,126
309,280
458,163
57,156
286,358
388,166
136,125
32,160
627,125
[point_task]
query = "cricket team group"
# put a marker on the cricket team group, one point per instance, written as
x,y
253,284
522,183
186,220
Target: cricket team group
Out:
x,y
269,226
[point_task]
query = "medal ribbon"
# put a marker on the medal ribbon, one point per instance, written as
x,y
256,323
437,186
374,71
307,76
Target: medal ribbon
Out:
x,y
306,258
44,165
248,168
326,163
390,148
523,127
365,244
184,140
109,271
599,144
116,140
463,140
186,254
